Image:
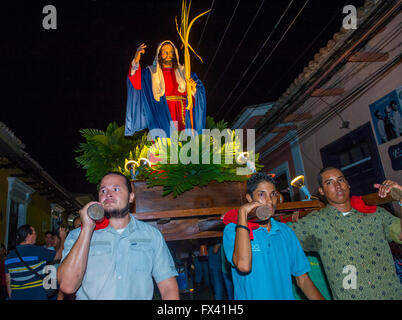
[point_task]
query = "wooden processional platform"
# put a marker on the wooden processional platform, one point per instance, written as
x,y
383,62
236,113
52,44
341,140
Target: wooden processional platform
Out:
x,y
197,213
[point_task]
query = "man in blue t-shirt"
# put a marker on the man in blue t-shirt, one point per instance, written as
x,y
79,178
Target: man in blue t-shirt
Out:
x,y
264,265
22,283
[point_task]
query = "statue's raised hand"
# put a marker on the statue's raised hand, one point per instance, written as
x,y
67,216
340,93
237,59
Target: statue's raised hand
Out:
x,y
138,53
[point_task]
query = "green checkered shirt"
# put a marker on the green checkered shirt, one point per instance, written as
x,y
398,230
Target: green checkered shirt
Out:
x,y
355,244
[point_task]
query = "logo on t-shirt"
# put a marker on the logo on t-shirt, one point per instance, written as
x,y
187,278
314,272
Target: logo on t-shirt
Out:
x,y
255,247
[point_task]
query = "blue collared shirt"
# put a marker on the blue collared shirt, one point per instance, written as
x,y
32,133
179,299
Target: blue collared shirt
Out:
x,y
276,257
122,265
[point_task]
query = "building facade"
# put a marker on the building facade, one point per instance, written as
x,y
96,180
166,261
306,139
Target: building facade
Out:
x,y
343,110
28,195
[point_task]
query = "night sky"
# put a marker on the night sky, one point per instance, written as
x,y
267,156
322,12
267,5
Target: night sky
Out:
x,y
56,82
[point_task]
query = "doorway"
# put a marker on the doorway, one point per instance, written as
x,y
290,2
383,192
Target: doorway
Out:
x,y
357,156
13,224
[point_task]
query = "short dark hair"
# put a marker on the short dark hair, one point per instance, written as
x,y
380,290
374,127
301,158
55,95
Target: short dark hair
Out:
x,y
48,232
23,232
75,219
325,169
127,181
256,179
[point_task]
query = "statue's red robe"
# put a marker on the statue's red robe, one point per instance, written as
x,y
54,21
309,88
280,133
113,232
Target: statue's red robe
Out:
x,y
176,100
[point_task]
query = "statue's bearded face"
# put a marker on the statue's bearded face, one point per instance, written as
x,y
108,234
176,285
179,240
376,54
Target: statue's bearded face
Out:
x,y
167,57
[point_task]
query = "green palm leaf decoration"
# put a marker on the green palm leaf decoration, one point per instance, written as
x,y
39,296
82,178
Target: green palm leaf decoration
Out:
x,y
106,151
177,167
211,124
177,178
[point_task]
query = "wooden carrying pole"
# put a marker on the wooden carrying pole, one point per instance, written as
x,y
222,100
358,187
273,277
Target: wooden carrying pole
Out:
x,y
304,208
373,199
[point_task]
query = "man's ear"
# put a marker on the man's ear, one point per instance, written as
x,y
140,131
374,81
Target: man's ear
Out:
x,y
248,197
321,191
131,197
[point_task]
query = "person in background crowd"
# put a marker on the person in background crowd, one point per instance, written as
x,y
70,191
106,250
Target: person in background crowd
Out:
x,y
201,270
227,275
3,284
49,240
77,222
22,283
58,245
215,269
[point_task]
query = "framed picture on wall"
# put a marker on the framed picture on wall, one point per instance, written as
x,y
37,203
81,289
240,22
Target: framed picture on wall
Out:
x,y
386,115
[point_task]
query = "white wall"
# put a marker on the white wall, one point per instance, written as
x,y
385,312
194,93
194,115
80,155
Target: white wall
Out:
x,y
358,113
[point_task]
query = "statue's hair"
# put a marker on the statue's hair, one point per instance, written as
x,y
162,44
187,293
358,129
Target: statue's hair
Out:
x,y
174,60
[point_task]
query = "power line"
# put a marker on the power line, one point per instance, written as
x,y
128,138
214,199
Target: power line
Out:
x,y
324,116
358,67
205,25
255,57
237,49
220,43
277,82
269,56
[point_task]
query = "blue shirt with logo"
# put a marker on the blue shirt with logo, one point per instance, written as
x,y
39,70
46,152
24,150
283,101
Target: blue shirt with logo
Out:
x,y
276,257
122,265
25,285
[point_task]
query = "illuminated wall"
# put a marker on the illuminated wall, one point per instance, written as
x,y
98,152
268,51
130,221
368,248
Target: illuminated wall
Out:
x,y
37,211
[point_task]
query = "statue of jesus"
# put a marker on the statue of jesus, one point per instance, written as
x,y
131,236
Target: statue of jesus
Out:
x,y
157,95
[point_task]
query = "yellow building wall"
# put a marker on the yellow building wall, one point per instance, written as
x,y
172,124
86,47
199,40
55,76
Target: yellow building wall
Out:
x,y
3,206
38,211
4,174
38,215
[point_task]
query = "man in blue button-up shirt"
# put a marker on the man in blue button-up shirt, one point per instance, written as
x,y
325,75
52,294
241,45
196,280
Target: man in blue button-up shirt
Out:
x,y
119,261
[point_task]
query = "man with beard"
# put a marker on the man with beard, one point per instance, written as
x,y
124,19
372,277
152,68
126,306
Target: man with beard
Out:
x,y
265,260
353,246
119,261
157,95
